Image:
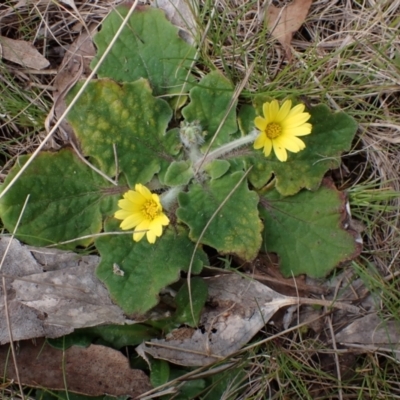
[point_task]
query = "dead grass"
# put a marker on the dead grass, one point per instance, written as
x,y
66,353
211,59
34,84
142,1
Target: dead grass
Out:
x,y
346,55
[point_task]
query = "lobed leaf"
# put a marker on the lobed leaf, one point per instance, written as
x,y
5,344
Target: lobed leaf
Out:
x,y
306,230
147,268
148,47
128,118
67,200
236,228
209,102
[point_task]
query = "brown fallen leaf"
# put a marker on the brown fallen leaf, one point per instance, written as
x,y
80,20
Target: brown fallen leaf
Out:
x,y
236,310
372,332
265,268
51,292
284,22
92,371
22,53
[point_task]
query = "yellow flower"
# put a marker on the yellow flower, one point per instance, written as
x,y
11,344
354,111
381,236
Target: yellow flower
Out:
x,y
280,127
142,209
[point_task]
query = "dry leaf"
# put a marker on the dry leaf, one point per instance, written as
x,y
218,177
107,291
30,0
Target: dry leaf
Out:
x,y
182,14
284,22
22,53
265,268
236,310
52,294
372,332
92,371
75,65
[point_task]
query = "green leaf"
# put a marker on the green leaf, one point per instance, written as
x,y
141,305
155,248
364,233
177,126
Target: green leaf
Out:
x,y
179,173
67,200
246,117
116,336
128,117
306,230
159,373
147,268
217,168
148,47
198,294
331,135
209,103
219,383
236,228
190,389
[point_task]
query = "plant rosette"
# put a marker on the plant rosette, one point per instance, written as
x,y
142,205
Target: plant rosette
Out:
x,y
239,180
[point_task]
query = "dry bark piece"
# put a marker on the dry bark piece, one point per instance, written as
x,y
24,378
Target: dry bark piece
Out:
x,y
22,53
284,22
92,371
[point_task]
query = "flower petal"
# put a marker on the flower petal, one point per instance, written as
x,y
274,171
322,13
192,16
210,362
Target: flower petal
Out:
x,y
122,214
127,205
292,144
267,147
162,219
296,120
284,111
134,197
137,237
143,191
280,151
272,111
156,228
260,123
260,140
302,130
140,230
151,237
131,221
298,109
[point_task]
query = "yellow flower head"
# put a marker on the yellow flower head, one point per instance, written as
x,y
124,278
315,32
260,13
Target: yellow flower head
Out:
x,y
142,210
280,127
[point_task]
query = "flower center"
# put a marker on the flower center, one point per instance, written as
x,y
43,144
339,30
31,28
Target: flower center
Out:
x,y
150,209
273,130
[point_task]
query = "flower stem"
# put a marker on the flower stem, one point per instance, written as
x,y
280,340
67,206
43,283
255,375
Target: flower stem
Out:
x,y
226,148
168,198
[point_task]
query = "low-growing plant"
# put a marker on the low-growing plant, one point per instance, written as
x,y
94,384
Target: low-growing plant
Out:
x,y
186,167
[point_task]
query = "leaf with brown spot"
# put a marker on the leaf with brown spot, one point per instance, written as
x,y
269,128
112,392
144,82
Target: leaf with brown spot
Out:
x,y
93,371
284,22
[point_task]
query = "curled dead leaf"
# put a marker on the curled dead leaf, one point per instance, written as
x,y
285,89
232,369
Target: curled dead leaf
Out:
x,y
284,22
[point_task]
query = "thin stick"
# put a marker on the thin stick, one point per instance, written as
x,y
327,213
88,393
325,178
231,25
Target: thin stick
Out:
x,y
339,375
